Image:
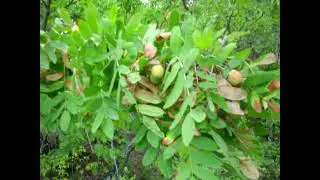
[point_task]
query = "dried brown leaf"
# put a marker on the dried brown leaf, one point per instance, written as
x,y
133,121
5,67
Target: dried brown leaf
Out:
x,y
234,108
257,106
274,85
164,35
146,83
196,132
54,77
147,96
274,106
248,168
229,92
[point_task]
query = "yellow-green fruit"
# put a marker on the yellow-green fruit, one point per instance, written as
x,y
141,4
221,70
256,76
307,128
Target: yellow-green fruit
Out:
x,y
157,72
235,77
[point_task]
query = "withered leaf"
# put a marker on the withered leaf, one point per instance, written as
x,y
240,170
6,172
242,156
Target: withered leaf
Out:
x,y
234,108
196,132
164,35
274,85
54,77
248,168
274,106
257,105
146,83
229,92
232,93
147,97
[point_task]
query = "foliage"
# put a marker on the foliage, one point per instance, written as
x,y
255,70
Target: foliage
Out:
x,y
95,90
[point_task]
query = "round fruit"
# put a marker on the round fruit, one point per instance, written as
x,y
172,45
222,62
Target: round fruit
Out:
x,y
157,72
235,77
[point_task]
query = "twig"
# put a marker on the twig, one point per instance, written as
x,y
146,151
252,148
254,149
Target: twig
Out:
x,y
114,160
195,70
228,23
88,139
44,22
41,147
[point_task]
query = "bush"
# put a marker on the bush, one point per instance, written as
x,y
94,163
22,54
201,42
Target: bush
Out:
x,y
97,98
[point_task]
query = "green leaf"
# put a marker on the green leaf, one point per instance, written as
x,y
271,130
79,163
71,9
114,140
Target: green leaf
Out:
x,y
239,58
153,139
164,166
203,40
218,123
58,45
152,125
188,127
140,146
220,101
63,13
205,158
149,156
171,76
219,140
97,122
108,128
176,40
111,113
198,114
260,77
207,85
173,19
55,115
65,121
51,54
130,97
212,108
124,69
84,30
189,80
45,104
168,153
204,143
189,59
175,92
44,60
150,35
197,38
223,52
187,102
203,173
140,134
134,77
52,87
149,110
91,17
183,171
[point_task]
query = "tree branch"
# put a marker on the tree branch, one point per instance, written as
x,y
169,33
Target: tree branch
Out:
x,y
228,23
44,22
